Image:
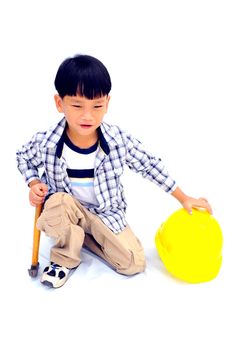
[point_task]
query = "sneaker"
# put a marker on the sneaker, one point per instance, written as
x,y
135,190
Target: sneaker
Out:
x,y
54,275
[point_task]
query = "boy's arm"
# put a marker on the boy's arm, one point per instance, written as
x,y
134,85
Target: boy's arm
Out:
x,y
152,168
29,159
188,202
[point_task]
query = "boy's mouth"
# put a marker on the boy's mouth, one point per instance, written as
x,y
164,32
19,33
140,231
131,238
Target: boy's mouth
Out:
x,y
85,126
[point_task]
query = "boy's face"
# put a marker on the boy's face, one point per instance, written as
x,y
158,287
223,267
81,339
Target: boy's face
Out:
x,y
83,116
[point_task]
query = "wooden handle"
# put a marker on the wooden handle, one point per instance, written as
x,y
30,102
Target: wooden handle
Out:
x,y
36,237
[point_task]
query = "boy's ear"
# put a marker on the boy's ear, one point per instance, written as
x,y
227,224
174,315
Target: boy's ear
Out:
x,y
108,99
58,103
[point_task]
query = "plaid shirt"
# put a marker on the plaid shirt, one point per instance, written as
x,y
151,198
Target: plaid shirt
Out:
x,y
117,148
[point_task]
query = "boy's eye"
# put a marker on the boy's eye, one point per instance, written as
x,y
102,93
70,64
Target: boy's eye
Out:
x,y
76,106
98,106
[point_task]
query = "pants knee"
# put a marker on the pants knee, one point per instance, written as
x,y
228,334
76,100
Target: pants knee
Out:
x,y
133,264
59,213
136,265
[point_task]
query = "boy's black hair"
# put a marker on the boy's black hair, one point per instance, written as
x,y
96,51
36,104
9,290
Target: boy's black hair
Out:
x,y
84,75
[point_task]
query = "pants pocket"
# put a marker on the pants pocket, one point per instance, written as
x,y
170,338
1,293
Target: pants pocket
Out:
x,y
55,218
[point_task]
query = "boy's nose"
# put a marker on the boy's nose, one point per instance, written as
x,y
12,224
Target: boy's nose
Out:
x,y
87,115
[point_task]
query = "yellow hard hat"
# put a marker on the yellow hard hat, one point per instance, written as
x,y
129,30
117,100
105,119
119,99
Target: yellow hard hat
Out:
x,y
190,246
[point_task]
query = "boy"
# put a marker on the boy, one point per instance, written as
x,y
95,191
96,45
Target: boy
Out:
x,y
83,158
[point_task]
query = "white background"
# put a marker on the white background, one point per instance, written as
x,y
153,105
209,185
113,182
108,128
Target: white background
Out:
x,y
171,69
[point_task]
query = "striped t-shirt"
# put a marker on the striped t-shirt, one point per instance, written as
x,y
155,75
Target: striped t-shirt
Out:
x,y
80,169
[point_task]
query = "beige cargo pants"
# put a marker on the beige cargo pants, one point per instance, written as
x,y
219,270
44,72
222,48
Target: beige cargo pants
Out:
x,y
73,227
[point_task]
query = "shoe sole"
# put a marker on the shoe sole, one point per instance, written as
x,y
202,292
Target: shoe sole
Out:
x,y
48,284
51,285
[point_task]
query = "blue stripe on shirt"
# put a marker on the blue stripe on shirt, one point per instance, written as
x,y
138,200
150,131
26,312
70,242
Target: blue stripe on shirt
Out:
x,y
82,184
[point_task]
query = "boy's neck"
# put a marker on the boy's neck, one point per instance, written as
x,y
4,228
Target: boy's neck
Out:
x,y
82,141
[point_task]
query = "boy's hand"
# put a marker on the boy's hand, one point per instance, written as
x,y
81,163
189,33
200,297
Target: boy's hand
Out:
x,y
201,203
188,202
37,193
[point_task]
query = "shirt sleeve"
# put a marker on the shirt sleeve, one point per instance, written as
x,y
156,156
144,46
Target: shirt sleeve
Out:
x,y
150,167
29,158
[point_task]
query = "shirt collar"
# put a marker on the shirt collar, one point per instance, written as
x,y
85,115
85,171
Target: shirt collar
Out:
x,y
55,138
54,134
103,143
